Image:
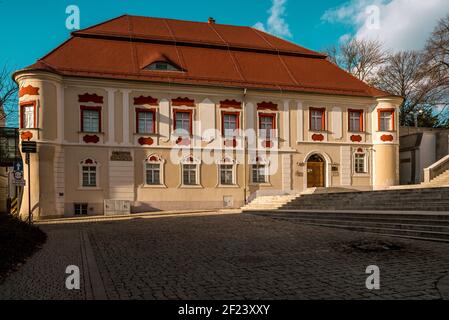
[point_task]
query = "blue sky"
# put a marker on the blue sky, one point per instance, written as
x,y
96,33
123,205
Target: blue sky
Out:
x,y
30,29
42,23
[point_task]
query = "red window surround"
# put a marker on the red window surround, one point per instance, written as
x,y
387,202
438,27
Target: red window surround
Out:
x,y
175,111
28,104
323,117
142,110
361,113
90,108
223,114
392,111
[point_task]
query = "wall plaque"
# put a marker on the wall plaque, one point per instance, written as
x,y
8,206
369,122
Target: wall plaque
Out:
x,y
121,156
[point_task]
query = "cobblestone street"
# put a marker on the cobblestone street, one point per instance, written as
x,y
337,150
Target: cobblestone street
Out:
x,y
224,257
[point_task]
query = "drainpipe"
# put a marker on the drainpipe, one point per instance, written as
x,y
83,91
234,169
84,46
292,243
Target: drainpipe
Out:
x,y
245,146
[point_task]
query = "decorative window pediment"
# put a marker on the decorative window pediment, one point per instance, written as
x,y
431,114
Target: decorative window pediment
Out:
x,y
227,159
190,160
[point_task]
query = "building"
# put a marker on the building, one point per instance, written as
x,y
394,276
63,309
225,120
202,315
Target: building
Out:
x,y
419,149
164,114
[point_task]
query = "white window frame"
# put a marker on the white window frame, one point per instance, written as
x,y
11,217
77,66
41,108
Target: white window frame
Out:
x,y
260,162
355,120
190,160
154,159
227,161
97,166
26,125
365,155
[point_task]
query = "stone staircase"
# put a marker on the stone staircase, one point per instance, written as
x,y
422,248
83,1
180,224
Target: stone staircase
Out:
x,y
415,199
420,226
439,181
269,202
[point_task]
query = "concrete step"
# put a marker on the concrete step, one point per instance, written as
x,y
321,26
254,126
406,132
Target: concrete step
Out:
x,y
423,226
385,225
404,233
363,216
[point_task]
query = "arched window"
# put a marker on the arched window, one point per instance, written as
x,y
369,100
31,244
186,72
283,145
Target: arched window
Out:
x,y
190,171
260,170
154,170
89,173
227,171
360,161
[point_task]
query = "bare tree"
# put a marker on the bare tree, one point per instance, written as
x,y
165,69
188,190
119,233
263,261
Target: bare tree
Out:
x,y
361,58
436,56
406,74
437,49
8,96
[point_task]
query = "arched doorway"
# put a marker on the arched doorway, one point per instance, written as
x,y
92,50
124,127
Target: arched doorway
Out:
x,y
316,172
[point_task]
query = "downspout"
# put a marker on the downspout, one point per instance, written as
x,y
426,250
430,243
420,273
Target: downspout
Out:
x,y
245,144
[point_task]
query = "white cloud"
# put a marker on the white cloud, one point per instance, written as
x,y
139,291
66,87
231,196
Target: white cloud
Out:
x,y
399,24
276,23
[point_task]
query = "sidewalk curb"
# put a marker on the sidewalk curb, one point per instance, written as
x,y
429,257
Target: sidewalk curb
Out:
x,y
95,289
161,214
443,287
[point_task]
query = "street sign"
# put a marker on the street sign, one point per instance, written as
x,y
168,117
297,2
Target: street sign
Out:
x,y
29,147
18,166
19,183
18,175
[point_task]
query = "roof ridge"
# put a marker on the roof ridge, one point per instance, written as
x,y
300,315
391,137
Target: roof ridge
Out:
x,y
114,31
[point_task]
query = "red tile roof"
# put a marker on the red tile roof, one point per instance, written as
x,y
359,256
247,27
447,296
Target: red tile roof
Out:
x,y
208,54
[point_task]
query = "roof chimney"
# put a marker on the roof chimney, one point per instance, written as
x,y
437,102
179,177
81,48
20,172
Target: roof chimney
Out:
x,y
211,20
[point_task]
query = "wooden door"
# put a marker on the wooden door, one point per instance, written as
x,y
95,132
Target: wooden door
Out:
x,y
315,175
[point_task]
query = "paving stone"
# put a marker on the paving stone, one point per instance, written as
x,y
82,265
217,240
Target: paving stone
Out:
x,y
226,257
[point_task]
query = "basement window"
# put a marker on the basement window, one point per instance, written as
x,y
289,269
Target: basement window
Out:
x,y
80,209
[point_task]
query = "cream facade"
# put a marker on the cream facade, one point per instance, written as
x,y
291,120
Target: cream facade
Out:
x,y
311,140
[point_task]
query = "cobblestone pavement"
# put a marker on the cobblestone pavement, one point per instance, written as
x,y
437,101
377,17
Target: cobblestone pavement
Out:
x,y
224,257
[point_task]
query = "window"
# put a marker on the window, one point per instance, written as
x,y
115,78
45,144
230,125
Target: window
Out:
x,y
267,124
146,121
231,123
360,163
153,174
183,122
317,119
386,119
162,66
226,174
80,209
190,171
91,119
355,120
189,174
28,116
154,171
88,174
259,173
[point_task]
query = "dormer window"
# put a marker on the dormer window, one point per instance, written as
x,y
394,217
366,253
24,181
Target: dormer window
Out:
x,y
162,66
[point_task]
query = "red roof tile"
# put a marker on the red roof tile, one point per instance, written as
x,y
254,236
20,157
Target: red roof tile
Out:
x,y
209,54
